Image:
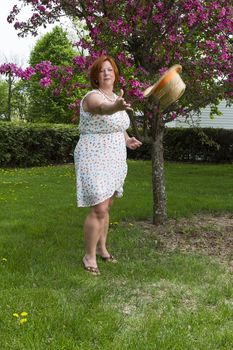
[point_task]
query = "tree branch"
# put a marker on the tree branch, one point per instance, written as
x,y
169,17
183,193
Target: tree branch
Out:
x,y
141,138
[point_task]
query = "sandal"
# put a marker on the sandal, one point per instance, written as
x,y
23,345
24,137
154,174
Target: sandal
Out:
x,y
109,258
92,270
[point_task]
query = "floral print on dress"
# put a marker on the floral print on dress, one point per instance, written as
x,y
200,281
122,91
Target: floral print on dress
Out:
x,y
100,156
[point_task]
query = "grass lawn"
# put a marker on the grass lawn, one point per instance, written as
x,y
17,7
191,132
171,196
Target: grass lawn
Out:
x,y
152,298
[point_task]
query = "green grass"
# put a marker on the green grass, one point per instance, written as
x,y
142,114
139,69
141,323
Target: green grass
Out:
x,y
151,299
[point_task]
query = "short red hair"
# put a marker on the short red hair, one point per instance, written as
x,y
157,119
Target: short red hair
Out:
x,y
96,67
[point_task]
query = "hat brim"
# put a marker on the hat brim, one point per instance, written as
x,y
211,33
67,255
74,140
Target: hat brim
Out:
x,y
165,79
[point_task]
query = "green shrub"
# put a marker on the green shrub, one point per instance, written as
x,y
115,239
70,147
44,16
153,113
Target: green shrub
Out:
x,y
192,144
26,145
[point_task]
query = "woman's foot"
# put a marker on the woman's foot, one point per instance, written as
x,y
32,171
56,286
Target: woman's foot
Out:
x,y
91,267
109,258
105,255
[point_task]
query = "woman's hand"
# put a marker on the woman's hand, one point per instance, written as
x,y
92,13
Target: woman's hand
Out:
x,y
133,143
120,103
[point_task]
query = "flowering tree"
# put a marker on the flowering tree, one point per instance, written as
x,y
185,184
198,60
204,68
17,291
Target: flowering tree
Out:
x,y
146,37
46,105
13,73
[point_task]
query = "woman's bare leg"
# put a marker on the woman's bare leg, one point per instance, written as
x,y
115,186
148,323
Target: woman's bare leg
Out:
x,y
93,228
101,246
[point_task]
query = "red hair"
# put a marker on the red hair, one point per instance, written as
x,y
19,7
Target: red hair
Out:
x,y
96,68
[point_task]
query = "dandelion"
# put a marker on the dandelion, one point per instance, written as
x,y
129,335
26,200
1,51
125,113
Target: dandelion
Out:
x,y
21,318
23,321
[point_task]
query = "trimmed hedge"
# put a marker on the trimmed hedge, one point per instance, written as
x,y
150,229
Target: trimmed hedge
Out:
x,y
26,145
207,145
192,145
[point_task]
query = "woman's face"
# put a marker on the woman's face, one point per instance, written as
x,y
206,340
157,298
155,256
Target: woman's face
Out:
x,y
106,75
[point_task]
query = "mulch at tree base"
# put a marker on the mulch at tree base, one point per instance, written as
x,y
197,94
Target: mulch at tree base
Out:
x,y
206,234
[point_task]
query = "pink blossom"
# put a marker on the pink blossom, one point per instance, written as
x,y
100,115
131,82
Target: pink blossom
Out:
x,y
75,105
41,8
224,56
90,19
119,22
95,32
159,5
34,17
80,61
28,73
134,83
44,67
122,81
158,18
12,69
126,61
173,116
45,82
19,25
192,18
136,93
172,38
84,44
162,70
214,5
222,12
211,44
57,91
177,56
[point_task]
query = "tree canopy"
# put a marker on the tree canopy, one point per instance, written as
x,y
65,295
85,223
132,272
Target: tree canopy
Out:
x,y
146,37
45,104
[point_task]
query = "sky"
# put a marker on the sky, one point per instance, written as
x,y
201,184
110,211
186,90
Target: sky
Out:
x,y
13,48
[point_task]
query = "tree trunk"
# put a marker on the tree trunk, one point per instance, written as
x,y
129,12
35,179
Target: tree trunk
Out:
x,y
9,98
158,183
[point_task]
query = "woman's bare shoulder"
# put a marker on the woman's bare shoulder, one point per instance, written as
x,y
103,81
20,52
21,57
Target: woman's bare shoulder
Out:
x,y
92,100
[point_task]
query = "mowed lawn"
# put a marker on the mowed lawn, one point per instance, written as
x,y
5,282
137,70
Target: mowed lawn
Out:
x,y
151,299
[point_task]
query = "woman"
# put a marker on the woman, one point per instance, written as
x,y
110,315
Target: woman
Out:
x,y
100,157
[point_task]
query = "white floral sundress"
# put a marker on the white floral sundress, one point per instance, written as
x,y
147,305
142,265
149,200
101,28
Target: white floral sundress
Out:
x,y
100,156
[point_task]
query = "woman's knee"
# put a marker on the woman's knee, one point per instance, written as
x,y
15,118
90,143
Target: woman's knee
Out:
x,y
110,202
100,210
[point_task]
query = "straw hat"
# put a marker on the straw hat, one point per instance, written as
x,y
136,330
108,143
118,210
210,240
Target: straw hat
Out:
x,y
168,89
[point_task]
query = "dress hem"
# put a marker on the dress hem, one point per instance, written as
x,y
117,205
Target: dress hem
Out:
x,y
120,195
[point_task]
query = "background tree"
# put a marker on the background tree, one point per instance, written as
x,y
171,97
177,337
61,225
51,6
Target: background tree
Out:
x,y
20,101
12,97
11,75
50,105
3,99
146,37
